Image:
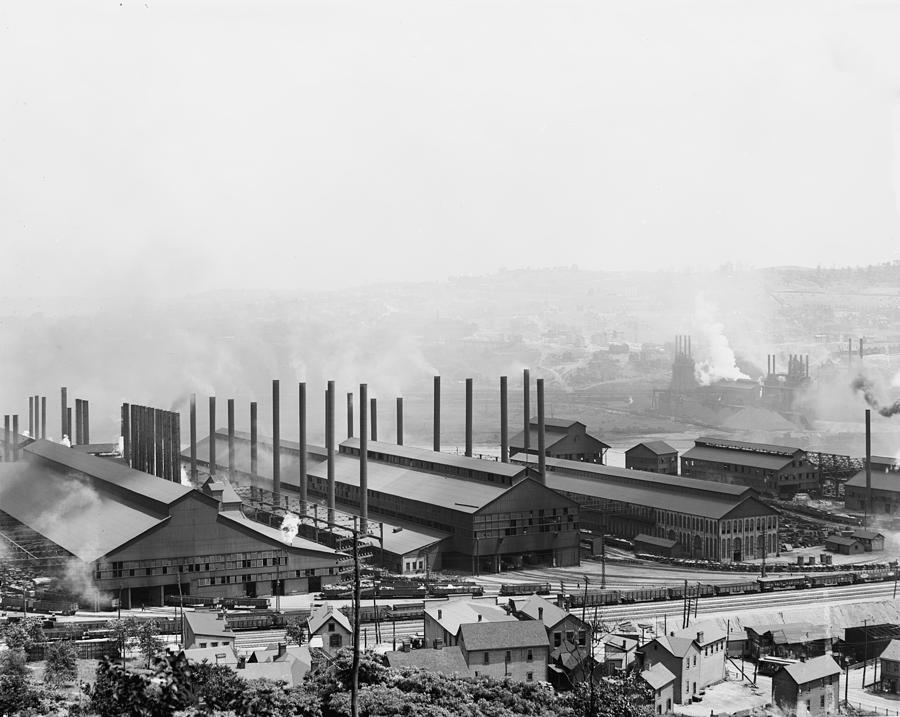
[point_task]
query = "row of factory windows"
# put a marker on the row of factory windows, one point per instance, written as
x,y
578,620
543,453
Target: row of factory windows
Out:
x,y
257,577
197,564
747,524
497,525
447,470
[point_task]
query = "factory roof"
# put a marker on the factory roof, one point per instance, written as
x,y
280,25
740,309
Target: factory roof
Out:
x,y
111,474
866,534
503,635
653,540
551,438
236,517
885,461
660,448
447,660
451,614
814,669
840,540
657,676
406,538
71,511
457,494
889,481
289,454
770,448
764,461
610,474
706,505
437,460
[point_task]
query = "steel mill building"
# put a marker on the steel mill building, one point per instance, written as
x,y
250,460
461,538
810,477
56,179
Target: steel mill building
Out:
x,y
708,520
142,537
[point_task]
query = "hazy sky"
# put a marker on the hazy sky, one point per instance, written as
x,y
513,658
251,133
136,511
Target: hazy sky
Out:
x,y
177,146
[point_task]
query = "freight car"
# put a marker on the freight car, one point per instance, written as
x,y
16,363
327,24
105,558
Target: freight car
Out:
x,y
507,589
740,588
782,582
822,580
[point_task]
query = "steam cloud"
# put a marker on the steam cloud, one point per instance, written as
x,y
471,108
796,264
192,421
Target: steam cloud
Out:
x,y
864,386
719,362
289,527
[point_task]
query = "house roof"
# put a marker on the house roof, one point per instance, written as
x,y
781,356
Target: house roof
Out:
x,y
892,651
653,540
676,646
619,643
658,676
792,633
73,511
814,669
447,660
840,540
763,461
503,635
208,623
199,654
290,671
454,613
534,606
866,535
880,480
711,633
660,448
322,615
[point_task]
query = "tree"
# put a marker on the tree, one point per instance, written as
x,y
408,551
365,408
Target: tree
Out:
x,y
16,694
294,630
61,663
123,633
23,634
149,642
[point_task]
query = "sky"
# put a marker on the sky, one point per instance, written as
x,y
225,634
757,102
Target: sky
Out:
x,y
179,146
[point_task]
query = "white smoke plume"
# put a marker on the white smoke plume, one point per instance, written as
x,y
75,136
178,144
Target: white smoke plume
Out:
x,y
289,527
184,478
716,357
120,445
66,442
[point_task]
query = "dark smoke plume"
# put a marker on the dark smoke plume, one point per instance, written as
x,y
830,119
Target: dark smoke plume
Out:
x,y
864,386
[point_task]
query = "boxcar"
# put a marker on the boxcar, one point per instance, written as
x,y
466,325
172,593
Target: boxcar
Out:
x,y
525,588
822,580
787,582
644,595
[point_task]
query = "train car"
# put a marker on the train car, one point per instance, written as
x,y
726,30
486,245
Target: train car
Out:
x,y
822,580
779,582
738,588
55,607
525,588
337,591
245,603
190,601
644,595
408,611
873,575
369,613
461,588
254,621
592,597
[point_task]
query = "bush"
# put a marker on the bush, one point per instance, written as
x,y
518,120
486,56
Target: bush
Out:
x,y
16,694
62,663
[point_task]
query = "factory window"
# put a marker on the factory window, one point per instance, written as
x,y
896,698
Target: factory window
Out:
x,y
508,656
487,657
148,571
529,676
165,570
131,573
529,656
206,566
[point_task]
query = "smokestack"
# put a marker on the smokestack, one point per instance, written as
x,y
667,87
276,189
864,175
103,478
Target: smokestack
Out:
x,y
504,421
64,414
175,438
125,429
193,429
399,420
373,418
363,458
302,444
15,437
37,417
690,351
469,387
806,373
349,414
868,465
31,416
43,417
69,423
212,435
231,440
254,444
79,414
542,458
6,438
159,466
329,448
86,421
526,383
437,414
861,348
276,442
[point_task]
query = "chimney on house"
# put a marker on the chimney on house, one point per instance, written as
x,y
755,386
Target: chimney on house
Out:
x,y
440,614
540,613
700,637
282,650
479,617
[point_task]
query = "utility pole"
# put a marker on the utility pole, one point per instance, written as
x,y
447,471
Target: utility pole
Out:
x,y
357,593
865,652
584,602
603,562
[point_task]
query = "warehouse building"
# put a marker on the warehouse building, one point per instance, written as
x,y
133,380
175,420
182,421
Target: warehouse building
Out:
x,y
135,536
708,520
563,439
770,469
885,490
653,456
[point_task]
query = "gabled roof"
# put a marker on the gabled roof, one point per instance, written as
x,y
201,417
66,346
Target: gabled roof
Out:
x,y
660,448
322,615
892,651
676,646
447,660
539,608
711,633
866,534
763,461
208,654
208,623
653,540
237,518
454,613
747,446
814,669
889,481
503,635
840,540
658,676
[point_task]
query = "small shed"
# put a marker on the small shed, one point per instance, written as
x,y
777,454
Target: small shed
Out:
x,y
654,545
332,626
890,667
653,456
844,545
871,541
662,682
